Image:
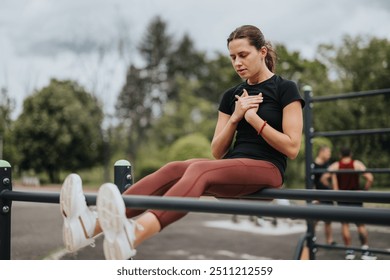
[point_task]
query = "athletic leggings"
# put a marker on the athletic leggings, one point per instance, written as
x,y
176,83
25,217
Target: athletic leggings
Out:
x,y
196,177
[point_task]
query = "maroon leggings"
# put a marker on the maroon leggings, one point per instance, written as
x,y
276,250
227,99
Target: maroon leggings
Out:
x,y
196,177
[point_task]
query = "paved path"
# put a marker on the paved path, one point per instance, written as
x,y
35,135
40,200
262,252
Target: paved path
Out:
x,y
36,234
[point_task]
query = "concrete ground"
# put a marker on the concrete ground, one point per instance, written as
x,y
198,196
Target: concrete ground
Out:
x,y
36,234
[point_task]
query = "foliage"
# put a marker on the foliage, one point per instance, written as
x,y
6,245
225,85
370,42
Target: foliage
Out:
x,y
59,129
184,115
7,150
190,146
144,92
217,77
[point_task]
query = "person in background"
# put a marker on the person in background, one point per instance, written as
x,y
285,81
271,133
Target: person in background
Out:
x,y
350,182
322,162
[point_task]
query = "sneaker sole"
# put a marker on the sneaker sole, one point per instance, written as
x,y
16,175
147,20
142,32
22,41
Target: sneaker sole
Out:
x,y
112,218
368,258
69,191
73,232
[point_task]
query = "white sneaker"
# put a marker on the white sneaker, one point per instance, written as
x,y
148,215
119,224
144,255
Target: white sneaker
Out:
x,y
366,255
119,232
79,220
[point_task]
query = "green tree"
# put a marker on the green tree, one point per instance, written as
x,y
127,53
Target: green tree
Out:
x,y
145,89
7,150
303,71
135,109
59,129
218,76
185,115
186,62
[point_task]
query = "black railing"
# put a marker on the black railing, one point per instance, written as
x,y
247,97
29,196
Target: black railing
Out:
x,y
310,133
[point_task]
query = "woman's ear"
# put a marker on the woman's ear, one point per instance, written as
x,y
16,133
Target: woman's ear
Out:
x,y
264,51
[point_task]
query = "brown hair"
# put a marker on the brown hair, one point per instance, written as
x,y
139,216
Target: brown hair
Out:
x,y
256,39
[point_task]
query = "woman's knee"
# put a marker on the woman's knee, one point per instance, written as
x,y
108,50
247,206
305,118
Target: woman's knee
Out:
x,y
198,168
175,166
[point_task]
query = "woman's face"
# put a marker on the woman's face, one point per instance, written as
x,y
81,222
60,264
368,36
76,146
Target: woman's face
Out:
x,y
246,59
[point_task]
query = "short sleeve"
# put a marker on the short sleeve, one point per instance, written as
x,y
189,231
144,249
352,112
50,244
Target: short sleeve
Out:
x,y
290,93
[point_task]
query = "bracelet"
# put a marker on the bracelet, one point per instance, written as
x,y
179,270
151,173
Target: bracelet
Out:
x,y
261,129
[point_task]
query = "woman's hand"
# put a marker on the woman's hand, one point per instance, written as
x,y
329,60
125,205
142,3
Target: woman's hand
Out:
x,y
253,111
246,104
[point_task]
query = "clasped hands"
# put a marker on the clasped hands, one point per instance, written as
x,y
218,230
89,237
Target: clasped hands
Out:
x,y
246,105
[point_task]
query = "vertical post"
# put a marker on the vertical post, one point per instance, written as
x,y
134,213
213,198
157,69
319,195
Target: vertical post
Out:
x,y
5,211
308,129
309,177
123,177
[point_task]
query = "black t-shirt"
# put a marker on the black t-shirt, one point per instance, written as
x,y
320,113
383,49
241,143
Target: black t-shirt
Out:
x,y
277,93
317,177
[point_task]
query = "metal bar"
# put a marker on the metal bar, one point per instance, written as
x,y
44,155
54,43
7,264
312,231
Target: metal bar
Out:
x,y
351,95
376,216
350,132
309,164
5,210
308,129
358,249
371,170
299,248
305,194
268,193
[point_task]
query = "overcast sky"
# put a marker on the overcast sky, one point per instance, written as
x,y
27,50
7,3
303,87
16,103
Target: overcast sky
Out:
x,y
43,39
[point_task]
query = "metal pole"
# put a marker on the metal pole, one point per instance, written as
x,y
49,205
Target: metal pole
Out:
x,y
5,211
123,177
308,129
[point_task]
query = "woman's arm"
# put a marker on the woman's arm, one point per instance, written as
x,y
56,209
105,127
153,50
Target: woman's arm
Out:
x,y
227,125
223,135
287,142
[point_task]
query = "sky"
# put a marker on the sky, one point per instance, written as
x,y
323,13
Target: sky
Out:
x,y
77,39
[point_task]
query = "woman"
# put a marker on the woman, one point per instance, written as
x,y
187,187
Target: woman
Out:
x,y
263,115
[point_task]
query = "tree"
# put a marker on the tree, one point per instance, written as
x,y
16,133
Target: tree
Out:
x,y
59,129
6,108
184,62
303,71
144,92
217,77
185,115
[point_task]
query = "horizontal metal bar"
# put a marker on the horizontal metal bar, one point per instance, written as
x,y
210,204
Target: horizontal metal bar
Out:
x,y
44,197
267,193
358,249
351,132
370,170
376,216
332,195
350,95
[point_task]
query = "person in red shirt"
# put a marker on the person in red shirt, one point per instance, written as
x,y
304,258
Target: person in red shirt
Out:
x,y
351,182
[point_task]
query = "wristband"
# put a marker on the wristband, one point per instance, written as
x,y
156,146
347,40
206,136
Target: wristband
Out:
x,y
261,129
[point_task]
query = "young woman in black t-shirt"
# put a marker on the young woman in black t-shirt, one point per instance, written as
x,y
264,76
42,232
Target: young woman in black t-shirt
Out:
x,y
259,126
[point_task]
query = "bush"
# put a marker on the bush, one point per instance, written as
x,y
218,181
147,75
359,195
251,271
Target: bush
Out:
x,y
194,145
